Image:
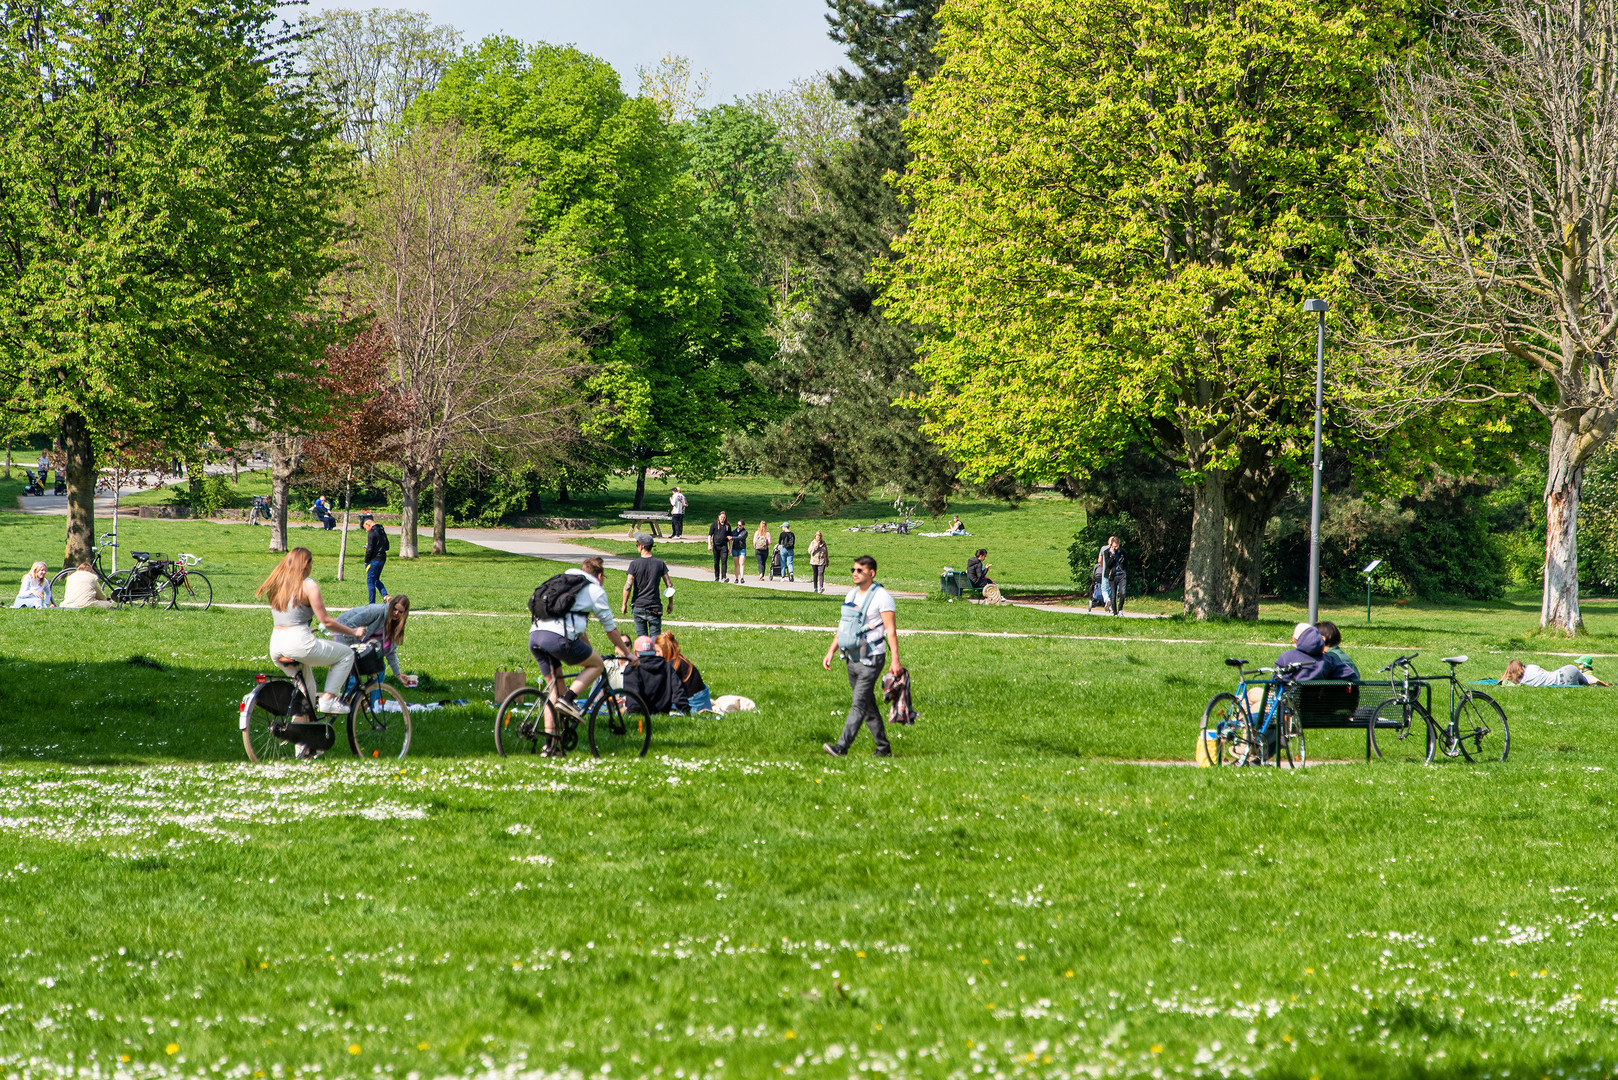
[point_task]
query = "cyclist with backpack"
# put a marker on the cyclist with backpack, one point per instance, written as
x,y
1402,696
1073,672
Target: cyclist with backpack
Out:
x,y
561,609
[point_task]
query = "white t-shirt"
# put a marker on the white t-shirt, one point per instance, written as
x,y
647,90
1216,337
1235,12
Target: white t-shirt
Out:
x,y
677,502
875,634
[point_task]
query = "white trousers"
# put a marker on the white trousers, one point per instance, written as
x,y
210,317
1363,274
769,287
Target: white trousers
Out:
x,y
299,643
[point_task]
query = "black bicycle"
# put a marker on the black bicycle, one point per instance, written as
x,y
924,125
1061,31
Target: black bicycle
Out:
x,y
617,721
278,718
154,581
1476,730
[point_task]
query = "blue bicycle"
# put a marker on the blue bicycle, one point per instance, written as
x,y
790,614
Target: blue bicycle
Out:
x,y
1254,725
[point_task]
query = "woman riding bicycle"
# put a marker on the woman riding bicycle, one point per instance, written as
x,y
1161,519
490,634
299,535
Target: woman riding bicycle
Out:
x,y
295,599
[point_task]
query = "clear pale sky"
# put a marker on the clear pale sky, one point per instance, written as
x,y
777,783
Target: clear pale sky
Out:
x,y
747,45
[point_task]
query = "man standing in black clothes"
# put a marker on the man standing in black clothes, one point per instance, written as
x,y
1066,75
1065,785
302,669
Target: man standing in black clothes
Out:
x,y
647,577
719,544
376,556
1113,576
677,511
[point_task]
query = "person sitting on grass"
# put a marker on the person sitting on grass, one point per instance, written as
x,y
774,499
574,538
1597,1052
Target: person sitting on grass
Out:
x,y
1346,668
655,680
698,699
35,591
1521,674
83,590
382,623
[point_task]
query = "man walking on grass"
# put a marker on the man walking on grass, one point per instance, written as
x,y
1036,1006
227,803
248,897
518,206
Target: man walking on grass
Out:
x,y
867,631
647,578
376,556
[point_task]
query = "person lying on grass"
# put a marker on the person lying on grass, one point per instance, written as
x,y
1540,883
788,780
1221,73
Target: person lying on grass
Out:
x,y
295,599
1521,674
383,623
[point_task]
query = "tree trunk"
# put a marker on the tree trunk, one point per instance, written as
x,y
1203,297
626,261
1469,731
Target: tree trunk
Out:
x,y
640,485
284,453
439,547
561,490
8,457
410,497
1205,562
1559,603
342,543
81,488
1251,498
194,476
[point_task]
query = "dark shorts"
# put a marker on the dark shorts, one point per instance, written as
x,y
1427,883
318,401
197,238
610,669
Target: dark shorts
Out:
x,y
550,648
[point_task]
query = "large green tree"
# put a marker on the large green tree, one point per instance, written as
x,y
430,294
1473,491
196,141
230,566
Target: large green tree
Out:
x,y
1117,213
166,192
843,362
613,196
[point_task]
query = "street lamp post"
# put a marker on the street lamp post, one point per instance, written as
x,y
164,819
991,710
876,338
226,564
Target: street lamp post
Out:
x,y
1320,307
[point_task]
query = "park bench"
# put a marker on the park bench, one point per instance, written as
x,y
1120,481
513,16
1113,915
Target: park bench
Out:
x,y
1343,704
637,518
955,584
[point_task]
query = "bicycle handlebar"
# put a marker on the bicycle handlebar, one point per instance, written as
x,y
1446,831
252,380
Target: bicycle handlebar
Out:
x,y
186,559
1403,661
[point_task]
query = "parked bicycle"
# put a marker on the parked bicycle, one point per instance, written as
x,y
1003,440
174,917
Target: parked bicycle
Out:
x,y
1236,730
617,721
153,582
278,718
1476,725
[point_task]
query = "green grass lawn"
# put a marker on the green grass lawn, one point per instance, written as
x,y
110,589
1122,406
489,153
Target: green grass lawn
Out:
x,y
1009,896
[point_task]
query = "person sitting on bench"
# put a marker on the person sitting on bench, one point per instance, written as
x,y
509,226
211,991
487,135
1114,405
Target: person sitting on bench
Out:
x,y
977,571
1309,650
1333,638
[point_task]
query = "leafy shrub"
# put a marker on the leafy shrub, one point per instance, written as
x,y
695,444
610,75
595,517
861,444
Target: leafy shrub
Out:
x,y
1147,506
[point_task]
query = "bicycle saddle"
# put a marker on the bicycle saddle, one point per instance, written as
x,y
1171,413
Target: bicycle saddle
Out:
x,y
1235,663
141,556
1461,659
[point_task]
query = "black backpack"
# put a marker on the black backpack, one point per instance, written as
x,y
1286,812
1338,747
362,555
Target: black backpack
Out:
x,y
555,598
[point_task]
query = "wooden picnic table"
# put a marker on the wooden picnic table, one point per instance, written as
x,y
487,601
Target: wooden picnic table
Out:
x,y
646,517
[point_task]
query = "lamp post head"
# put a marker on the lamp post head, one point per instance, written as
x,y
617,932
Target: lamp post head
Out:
x,y
1316,305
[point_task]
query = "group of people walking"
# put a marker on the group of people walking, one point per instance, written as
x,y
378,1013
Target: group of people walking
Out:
x,y
773,556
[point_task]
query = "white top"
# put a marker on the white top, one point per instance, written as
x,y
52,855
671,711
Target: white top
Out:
x,y
82,588
1567,675
875,634
591,599
677,502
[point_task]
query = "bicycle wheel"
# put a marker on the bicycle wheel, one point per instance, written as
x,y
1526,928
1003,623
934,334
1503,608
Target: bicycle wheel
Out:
x,y
1407,715
192,589
519,722
1221,720
620,723
375,732
1480,723
118,587
266,708
56,582
1289,739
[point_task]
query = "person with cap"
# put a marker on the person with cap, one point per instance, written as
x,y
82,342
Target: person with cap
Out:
x,y
656,680
648,576
1518,673
785,541
1586,665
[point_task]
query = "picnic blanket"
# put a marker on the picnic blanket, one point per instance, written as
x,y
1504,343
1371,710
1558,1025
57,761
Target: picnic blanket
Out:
x,y
945,534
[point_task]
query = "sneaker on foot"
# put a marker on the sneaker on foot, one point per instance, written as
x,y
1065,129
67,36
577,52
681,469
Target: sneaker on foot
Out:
x,y
330,705
833,751
881,753
570,708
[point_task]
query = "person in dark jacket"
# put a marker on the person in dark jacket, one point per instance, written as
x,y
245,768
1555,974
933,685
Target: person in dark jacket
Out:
x,y
719,544
977,571
655,679
1309,649
376,556
696,690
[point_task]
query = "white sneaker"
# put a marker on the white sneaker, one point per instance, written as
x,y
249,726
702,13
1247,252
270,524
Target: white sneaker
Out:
x,y
330,705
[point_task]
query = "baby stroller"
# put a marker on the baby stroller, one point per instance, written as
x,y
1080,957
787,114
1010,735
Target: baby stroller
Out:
x,y
1098,599
32,487
61,482
775,563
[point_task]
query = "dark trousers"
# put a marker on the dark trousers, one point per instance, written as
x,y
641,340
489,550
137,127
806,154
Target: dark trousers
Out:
x,y
679,525
719,561
862,680
649,623
820,578
373,580
763,557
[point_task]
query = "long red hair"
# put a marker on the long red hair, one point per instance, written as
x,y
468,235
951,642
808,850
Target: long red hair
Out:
x,y
669,649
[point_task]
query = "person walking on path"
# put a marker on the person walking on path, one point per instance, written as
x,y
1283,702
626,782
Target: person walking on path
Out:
x,y
867,631
1111,561
677,512
738,549
719,544
648,577
761,548
376,557
819,558
785,541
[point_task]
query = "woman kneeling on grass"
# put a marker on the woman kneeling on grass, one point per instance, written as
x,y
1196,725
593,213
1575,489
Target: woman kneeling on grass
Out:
x,y
382,623
295,599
